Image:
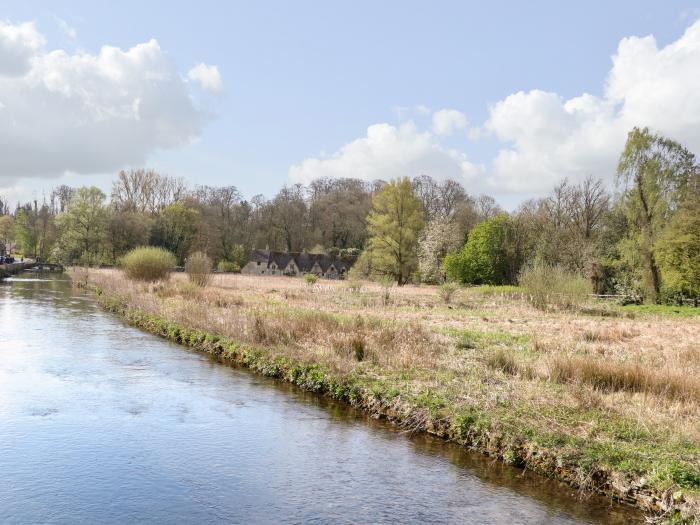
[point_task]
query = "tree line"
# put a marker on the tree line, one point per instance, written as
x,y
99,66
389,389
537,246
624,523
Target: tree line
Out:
x,y
642,240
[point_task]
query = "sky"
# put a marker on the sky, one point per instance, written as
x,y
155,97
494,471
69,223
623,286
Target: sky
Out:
x,y
507,98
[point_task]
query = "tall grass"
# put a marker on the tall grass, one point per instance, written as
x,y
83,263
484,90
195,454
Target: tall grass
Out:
x,y
198,267
611,376
446,291
546,285
148,263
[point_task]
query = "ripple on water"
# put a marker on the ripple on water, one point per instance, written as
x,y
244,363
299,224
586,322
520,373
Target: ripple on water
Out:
x,y
102,423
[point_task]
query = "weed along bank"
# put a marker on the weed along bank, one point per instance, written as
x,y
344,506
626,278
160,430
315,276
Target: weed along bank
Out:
x,y
551,391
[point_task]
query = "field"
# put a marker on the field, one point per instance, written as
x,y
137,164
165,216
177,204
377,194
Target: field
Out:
x,y
606,397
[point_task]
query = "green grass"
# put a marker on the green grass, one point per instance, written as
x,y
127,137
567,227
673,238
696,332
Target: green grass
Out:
x,y
661,309
467,339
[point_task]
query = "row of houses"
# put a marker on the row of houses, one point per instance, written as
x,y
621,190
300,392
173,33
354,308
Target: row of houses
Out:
x,y
266,262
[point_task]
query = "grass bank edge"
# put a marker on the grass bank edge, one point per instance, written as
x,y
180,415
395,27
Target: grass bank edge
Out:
x,y
653,483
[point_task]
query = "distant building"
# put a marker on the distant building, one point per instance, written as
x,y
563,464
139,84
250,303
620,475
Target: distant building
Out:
x,y
265,262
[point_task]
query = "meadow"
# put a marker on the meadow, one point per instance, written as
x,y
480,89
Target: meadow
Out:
x,y
606,397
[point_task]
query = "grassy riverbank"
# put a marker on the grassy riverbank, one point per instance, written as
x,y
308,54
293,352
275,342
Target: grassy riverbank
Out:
x,y
606,398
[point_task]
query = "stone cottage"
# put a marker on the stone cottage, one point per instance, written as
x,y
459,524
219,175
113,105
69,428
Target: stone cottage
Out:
x,y
266,262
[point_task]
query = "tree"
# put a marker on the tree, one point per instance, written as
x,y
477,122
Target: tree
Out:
x,y
678,252
126,231
82,226
338,211
658,173
439,238
34,229
224,217
490,256
393,226
289,214
145,191
175,229
7,231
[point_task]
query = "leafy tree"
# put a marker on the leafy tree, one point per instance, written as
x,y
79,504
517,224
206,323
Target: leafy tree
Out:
x,y
126,231
82,226
678,252
489,256
34,229
25,230
658,173
7,231
393,226
175,229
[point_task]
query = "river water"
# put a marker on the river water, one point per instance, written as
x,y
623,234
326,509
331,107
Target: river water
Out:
x,y
103,423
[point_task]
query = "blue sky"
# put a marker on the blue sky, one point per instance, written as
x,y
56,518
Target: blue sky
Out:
x,y
302,79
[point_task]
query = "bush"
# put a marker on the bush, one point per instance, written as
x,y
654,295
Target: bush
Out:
x,y
310,278
228,267
148,263
446,291
198,268
488,257
546,285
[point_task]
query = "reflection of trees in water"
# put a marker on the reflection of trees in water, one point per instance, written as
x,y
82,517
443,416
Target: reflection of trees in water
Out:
x,y
39,288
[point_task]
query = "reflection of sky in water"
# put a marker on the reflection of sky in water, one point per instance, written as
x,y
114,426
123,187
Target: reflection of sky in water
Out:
x,y
102,423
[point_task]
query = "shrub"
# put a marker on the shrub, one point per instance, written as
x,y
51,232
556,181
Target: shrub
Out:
x,y
148,263
198,268
446,291
310,278
488,257
547,285
228,266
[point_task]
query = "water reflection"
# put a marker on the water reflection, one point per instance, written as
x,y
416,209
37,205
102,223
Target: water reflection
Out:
x,y
102,423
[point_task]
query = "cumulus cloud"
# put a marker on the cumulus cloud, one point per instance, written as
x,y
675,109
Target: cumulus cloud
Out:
x,y
87,113
543,136
388,152
208,77
550,137
18,45
446,121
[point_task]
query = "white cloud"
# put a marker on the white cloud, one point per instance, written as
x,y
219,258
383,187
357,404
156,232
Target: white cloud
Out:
x,y
544,136
389,152
68,30
446,121
551,137
87,113
18,45
208,77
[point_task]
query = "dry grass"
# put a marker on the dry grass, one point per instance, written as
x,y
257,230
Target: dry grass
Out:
x,y
488,349
611,376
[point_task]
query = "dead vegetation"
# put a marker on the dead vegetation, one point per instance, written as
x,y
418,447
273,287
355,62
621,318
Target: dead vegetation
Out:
x,y
569,374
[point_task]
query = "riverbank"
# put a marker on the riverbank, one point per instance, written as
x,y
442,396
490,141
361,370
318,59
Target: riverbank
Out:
x,y
605,401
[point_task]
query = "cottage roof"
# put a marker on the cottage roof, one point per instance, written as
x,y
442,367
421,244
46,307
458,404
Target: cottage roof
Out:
x,y
304,261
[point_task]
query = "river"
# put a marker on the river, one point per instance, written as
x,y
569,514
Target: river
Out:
x,y
103,423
